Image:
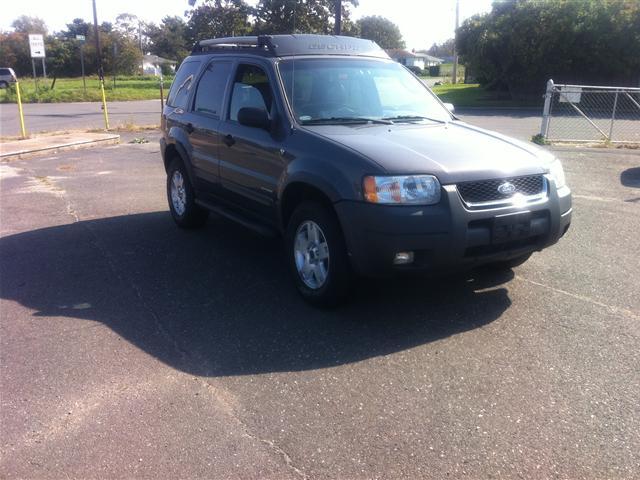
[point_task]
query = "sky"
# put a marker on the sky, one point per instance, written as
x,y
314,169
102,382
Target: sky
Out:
x,y
422,22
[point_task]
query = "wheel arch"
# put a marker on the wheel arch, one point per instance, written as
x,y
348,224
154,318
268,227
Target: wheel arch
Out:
x,y
175,150
297,192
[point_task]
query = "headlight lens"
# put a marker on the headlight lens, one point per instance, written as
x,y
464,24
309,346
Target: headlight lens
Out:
x,y
557,173
410,190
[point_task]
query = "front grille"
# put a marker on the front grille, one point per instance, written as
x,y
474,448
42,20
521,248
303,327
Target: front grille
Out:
x,y
487,190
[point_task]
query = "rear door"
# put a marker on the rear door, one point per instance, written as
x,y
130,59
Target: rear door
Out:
x,y
204,122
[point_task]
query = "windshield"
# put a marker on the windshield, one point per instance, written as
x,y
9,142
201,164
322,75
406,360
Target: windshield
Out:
x,y
346,89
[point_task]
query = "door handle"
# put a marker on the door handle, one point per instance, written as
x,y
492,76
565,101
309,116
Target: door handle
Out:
x,y
189,127
229,140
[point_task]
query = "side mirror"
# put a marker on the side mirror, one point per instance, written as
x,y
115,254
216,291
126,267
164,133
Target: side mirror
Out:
x,y
450,107
254,117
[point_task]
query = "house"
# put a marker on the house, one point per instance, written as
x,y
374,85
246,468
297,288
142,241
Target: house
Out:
x,y
413,59
151,65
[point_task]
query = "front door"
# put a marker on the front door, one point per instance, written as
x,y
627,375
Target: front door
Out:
x,y
250,159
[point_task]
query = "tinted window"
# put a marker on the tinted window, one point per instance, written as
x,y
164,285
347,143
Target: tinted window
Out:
x,y
211,88
347,87
250,89
4,71
179,92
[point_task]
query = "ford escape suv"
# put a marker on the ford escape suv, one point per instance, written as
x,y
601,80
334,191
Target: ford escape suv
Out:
x,y
351,159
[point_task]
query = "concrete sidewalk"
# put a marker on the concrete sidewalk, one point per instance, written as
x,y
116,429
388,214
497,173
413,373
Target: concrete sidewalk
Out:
x,y
67,141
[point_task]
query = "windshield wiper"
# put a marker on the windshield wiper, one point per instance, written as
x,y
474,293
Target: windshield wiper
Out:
x,y
410,118
337,120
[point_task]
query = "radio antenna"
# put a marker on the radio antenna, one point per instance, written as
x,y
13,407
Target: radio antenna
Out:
x,y
293,66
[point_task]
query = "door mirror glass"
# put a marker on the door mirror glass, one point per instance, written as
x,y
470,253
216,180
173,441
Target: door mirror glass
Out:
x,y
254,117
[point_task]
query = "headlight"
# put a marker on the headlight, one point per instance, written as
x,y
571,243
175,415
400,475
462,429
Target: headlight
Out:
x,y
557,173
410,189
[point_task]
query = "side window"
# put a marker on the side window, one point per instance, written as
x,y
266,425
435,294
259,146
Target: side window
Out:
x,y
211,88
250,89
179,92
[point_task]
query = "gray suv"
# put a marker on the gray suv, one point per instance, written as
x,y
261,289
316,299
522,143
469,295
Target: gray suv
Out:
x,y
7,76
350,158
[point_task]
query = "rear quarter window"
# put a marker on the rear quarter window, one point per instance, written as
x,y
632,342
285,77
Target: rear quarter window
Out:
x,y
181,86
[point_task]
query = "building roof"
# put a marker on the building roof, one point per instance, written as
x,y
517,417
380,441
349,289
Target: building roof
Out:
x,y
156,60
401,53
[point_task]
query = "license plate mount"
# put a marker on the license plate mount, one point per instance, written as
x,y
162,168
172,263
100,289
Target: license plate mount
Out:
x,y
510,227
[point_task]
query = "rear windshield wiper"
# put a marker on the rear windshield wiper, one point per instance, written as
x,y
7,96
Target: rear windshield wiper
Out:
x,y
411,118
337,120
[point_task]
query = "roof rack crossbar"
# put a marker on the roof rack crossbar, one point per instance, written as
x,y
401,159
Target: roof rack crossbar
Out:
x,y
260,41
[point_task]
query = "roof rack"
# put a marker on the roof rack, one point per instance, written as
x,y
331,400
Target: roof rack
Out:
x,y
290,45
260,42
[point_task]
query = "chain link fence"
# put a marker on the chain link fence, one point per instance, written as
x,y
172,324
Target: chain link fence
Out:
x,y
592,114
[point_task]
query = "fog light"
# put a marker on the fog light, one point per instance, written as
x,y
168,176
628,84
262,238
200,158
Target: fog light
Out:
x,y
402,258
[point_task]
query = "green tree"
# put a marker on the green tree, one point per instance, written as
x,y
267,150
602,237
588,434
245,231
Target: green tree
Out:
x,y
294,16
519,45
218,18
77,27
14,52
381,30
168,39
444,49
26,24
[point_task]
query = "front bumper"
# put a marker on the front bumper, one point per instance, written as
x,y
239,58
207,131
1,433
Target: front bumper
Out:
x,y
447,236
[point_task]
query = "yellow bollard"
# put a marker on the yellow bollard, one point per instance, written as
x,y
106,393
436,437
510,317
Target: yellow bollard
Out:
x,y
21,113
104,105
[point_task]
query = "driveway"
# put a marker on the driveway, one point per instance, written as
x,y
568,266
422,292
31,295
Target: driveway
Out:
x,y
131,348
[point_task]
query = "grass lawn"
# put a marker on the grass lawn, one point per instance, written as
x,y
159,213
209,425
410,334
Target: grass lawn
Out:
x,y
473,95
71,90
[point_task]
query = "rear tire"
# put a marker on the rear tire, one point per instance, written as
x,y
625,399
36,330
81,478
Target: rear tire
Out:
x,y
181,195
317,255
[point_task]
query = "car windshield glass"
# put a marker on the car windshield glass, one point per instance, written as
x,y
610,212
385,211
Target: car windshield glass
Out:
x,y
325,89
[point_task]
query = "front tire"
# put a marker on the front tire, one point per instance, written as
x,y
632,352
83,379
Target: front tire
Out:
x,y
317,255
182,201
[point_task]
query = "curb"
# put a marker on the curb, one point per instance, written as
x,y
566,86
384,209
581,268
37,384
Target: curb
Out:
x,y
18,149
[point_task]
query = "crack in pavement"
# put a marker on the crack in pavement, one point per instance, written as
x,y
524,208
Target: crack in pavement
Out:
x,y
185,355
616,310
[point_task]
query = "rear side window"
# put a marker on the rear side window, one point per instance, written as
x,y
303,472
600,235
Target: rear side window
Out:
x,y
179,93
4,71
211,88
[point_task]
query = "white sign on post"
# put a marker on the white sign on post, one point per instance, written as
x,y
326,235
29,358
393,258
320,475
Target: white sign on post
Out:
x,y
570,95
36,44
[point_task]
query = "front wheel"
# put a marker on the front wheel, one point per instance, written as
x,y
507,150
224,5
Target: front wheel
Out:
x,y
182,202
317,255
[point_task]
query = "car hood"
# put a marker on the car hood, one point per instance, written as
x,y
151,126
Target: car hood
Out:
x,y
454,152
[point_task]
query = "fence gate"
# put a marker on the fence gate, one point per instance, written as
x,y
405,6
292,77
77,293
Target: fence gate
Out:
x,y
587,113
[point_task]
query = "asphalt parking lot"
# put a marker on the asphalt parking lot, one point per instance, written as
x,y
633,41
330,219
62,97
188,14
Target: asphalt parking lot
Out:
x,y
130,348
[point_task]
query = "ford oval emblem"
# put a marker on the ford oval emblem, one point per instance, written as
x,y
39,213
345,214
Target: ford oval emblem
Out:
x,y
507,189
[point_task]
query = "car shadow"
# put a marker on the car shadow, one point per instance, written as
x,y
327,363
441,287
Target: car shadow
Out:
x,y
218,301
631,177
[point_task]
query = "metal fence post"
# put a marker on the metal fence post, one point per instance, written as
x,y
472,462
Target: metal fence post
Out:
x,y
544,128
613,116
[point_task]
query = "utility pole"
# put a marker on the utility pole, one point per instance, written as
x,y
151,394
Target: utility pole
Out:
x,y
100,70
455,50
338,29
97,35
